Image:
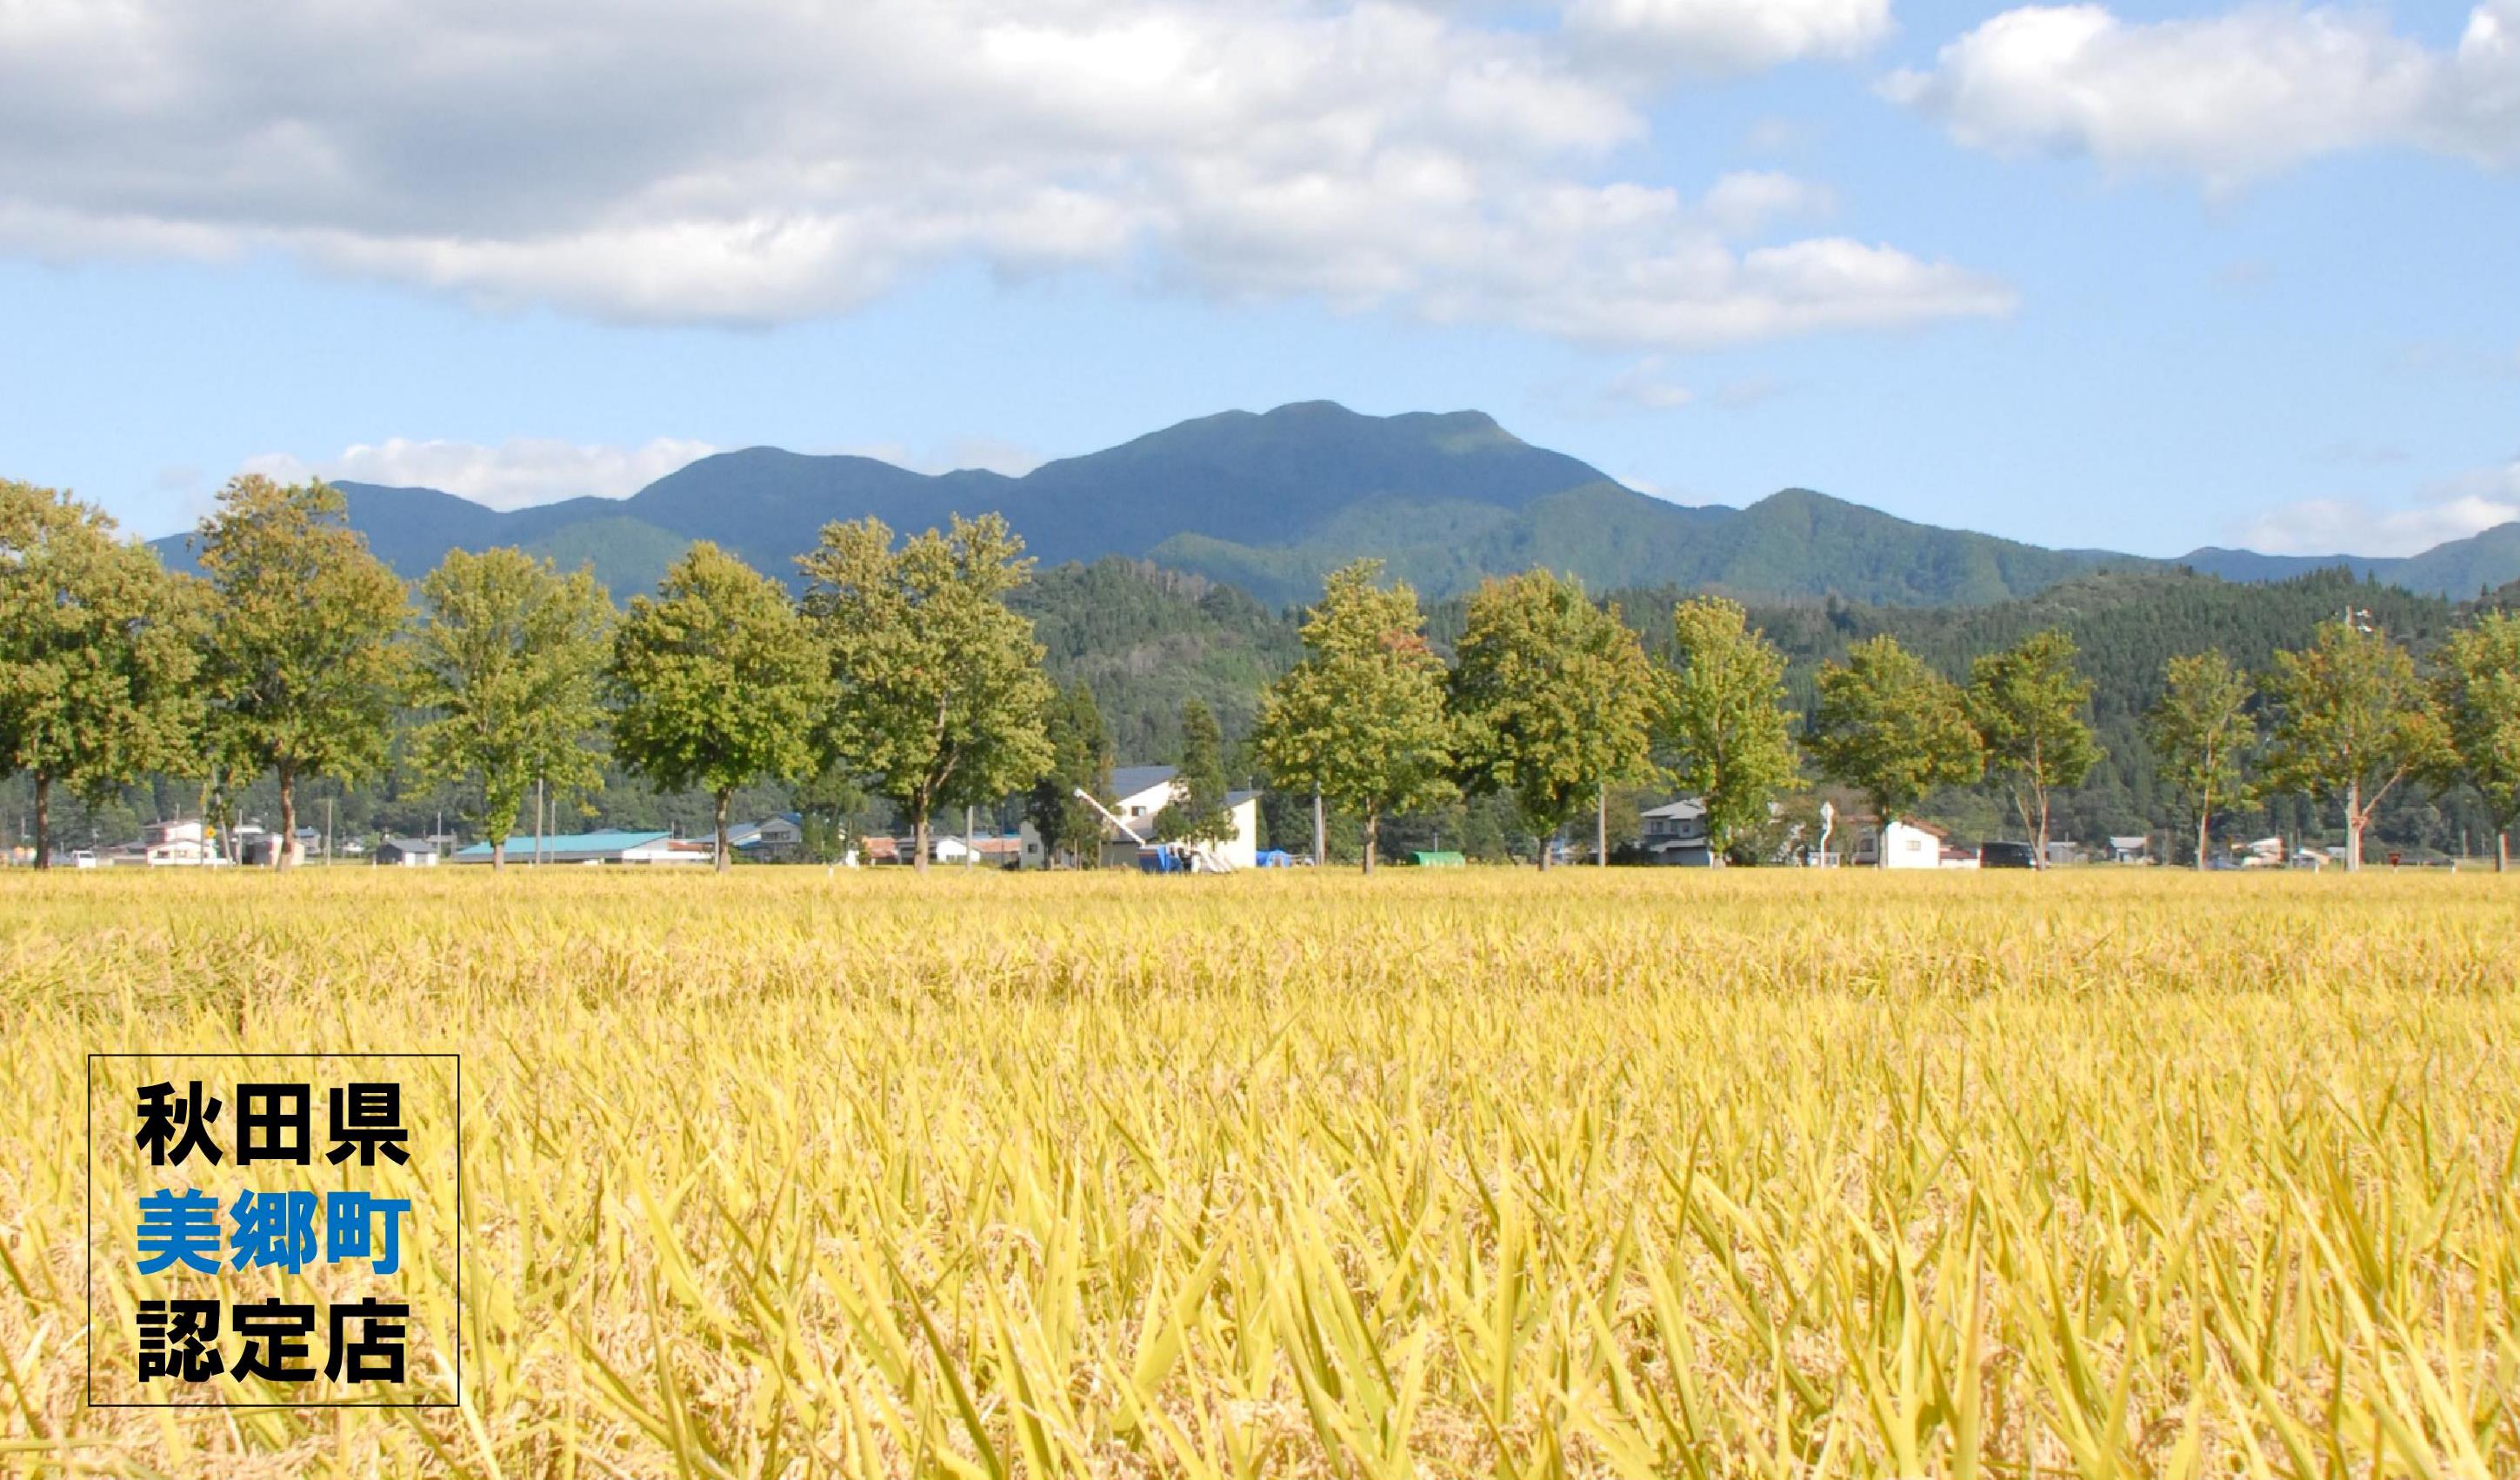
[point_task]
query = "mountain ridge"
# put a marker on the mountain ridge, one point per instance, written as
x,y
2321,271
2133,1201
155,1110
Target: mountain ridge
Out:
x,y
1271,501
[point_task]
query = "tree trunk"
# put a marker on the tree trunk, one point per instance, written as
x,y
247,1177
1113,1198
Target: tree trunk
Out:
x,y
2041,841
2352,826
43,820
1601,830
1546,838
721,850
2501,850
2204,821
918,840
1321,831
498,854
1371,816
287,817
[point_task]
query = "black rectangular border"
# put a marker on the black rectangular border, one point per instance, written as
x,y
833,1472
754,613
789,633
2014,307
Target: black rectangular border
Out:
x,y
88,1233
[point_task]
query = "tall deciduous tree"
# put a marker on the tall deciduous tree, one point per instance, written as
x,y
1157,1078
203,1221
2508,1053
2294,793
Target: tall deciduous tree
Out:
x,y
2028,704
715,681
938,693
1892,727
1724,718
1361,719
96,654
2353,720
1553,700
1080,747
301,664
2479,692
2201,732
508,661
1198,813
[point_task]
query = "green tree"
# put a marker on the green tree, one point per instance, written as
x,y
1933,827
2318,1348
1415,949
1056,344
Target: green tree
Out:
x,y
96,654
2201,732
2478,688
508,661
938,690
715,682
1892,727
2353,720
1552,700
1197,813
1724,718
1080,747
301,660
2028,704
833,810
1361,719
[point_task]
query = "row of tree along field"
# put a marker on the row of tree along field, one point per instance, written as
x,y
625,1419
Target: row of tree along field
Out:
x,y
904,669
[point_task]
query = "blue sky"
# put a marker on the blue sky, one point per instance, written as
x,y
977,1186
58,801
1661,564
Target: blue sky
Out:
x,y
2145,276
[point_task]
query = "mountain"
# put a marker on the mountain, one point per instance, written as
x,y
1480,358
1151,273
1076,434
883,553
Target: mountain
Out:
x,y
1270,502
2457,570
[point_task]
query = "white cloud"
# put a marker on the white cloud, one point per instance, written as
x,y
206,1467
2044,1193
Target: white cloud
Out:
x,y
1646,386
2451,510
1745,203
2225,98
759,161
514,475
1732,35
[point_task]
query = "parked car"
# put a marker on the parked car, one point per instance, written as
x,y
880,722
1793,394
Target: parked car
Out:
x,y
2006,856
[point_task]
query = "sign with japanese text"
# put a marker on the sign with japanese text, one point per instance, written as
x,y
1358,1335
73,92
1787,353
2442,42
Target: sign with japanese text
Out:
x,y
274,1230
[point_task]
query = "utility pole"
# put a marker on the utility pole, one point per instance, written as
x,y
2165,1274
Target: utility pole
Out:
x,y
328,829
1601,830
1320,833
538,821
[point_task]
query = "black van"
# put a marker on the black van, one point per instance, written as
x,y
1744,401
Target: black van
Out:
x,y
2006,856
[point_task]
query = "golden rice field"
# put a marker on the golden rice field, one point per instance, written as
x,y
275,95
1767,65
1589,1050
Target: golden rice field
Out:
x,y
1638,1175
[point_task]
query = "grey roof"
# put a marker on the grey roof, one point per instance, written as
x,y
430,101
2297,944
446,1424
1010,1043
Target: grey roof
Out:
x,y
410,844
1686,807
1129,780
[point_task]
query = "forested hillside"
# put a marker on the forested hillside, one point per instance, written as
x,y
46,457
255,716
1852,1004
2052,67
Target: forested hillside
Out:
x,y
1146,638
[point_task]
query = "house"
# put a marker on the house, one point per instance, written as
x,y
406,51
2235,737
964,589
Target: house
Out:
x,y
1140,794
2130,850
257,847
176,844
613,847
980,852
775,838
1675,833
406,853
1902,845
672,850
2261,853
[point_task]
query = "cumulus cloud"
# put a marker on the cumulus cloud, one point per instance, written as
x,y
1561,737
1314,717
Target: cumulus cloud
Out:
x,y
758,161
2451,510
2225,98
514,475
1730,35
1646,386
